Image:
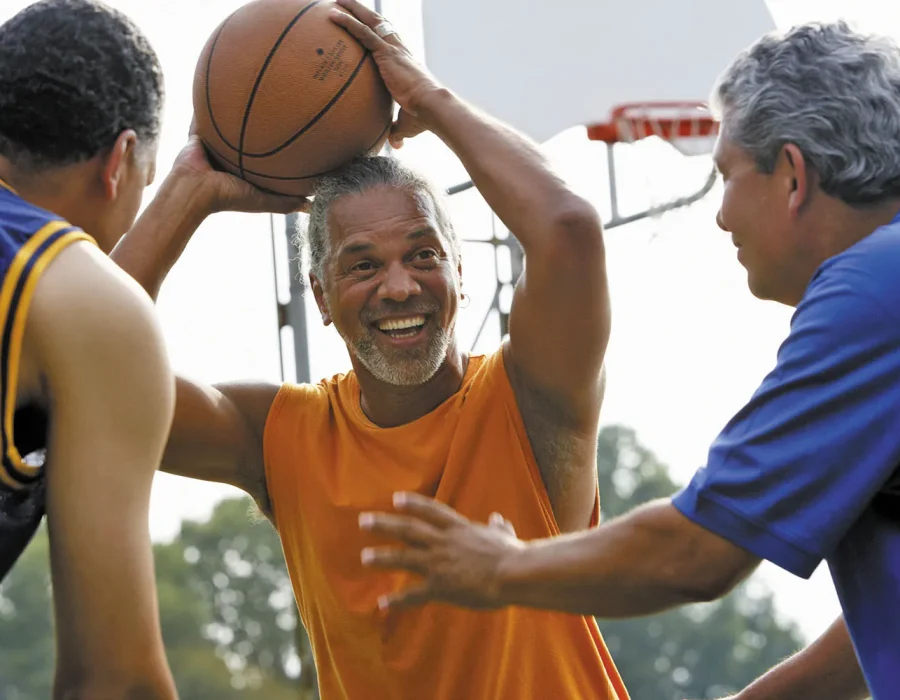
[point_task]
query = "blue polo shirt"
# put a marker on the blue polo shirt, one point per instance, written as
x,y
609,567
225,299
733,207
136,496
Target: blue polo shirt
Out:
x,y
809,469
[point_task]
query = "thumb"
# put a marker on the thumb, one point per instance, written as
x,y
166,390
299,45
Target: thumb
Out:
x,y
405,127
498,521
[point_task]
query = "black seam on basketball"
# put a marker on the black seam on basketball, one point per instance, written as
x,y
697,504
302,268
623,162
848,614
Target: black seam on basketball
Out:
x,y
212,117
259,77
312,122
253,172
381,135
295,178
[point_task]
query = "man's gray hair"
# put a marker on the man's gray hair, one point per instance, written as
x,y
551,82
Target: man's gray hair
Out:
x,y
832,92
362,174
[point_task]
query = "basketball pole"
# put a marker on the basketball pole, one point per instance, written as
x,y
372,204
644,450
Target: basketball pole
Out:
x,y
293,313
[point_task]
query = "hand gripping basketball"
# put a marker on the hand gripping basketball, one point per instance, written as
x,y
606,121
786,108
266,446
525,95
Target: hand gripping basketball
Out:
x,y
406,80
219,191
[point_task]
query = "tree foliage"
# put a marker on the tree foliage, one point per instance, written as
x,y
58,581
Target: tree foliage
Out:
x,y
699,651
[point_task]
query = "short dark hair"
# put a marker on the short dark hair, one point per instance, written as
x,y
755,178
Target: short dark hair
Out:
x,y
74,74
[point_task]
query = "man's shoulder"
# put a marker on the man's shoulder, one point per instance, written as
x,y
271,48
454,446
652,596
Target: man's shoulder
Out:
x,y
83,288
305,396
868,268
861,285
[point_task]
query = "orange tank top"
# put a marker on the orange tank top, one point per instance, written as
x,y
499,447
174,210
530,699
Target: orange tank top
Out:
x,y
326,463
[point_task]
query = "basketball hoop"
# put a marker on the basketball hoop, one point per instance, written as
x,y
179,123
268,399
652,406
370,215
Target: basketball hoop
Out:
x,y
687,126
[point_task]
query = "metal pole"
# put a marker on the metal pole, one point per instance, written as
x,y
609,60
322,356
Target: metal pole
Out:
x,y
613,190
293,313
517,266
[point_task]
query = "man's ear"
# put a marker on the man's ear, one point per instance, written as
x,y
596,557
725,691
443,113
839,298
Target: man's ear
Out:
x,y
116,163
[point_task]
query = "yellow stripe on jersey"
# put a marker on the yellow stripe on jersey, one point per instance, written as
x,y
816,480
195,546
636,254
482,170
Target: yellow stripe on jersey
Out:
x,y
19,316
5,185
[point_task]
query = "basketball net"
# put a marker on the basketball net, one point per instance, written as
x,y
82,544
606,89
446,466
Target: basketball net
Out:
x,y
670,144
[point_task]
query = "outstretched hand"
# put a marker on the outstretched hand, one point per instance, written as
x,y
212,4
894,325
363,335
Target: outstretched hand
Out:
x,y
406,80
459,560
222,191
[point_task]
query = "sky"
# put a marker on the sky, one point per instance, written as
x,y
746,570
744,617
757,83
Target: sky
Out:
x,y
689,344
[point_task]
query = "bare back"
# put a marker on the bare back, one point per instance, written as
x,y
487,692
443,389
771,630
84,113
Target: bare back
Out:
x,y
87,400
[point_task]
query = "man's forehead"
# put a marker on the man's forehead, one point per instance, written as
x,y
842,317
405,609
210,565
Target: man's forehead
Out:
x,y
725,150
378,212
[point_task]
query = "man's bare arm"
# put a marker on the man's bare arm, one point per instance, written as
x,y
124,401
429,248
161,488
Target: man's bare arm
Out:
x,y
217,435
560,316
111,400
217,431
647,561
826,670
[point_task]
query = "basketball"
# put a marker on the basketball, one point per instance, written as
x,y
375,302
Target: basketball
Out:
x,y
282,95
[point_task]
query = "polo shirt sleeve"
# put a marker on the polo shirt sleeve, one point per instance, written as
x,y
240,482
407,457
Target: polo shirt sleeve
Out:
x,y
795,468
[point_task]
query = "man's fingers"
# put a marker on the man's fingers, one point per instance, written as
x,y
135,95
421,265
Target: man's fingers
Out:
x,y
431,511
357,30
408,597
372,20
498,521
405,127
361,12
409,530
264,202
412,560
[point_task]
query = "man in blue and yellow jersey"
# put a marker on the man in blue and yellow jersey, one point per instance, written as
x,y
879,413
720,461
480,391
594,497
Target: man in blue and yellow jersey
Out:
x,y
87,393
84,378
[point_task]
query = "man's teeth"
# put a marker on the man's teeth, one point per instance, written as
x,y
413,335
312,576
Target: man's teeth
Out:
x,y
399,324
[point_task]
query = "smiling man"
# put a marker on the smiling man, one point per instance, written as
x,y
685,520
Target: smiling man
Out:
x,y
512,431
809,469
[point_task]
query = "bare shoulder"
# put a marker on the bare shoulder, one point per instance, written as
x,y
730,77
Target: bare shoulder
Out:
x,y
82,292
253,399
90,325
252,403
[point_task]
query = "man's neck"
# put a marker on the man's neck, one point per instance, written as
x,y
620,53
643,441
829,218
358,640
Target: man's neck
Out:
x,y
837,228
388,406
49,189
844,226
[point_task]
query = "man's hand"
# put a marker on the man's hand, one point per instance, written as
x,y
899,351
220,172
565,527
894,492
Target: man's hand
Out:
x,y
220,191
406,80
458,559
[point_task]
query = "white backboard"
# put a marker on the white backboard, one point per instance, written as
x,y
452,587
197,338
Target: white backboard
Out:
x,y
546,66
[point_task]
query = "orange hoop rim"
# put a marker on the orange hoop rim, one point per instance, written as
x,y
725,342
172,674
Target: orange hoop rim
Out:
x,y
638,120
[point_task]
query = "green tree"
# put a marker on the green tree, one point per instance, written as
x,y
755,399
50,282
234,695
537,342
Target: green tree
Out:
x,y
26,626
699,651
226,607
223,583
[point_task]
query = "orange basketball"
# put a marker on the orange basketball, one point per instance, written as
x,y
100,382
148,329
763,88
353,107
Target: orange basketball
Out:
x,y
282,95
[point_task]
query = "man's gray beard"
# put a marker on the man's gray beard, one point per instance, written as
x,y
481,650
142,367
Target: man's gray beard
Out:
x,y
407,367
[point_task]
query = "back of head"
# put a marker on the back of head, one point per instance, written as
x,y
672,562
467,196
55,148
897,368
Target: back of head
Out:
x,y
830,91
360,175
74,74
